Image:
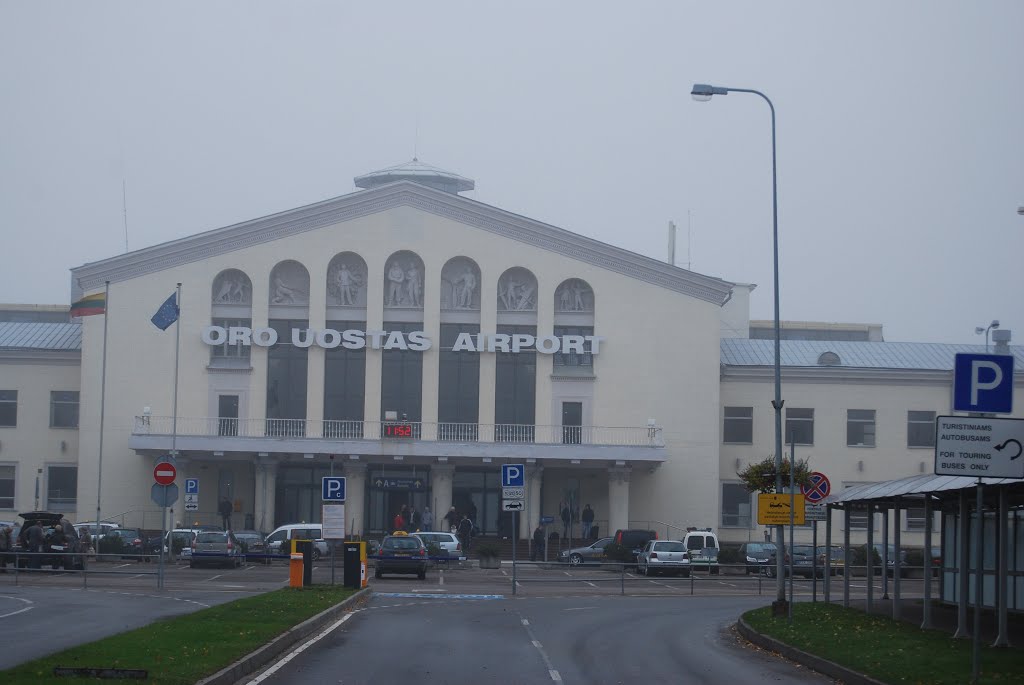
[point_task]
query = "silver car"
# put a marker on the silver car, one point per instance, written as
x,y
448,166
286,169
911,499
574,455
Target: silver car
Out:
x,y
664,556
448,542
216,547
580,555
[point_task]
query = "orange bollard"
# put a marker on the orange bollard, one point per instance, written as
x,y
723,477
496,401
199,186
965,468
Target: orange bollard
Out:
x,y
295,570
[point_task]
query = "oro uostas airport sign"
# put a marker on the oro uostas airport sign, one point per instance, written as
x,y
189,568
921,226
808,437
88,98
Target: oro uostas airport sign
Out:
x,y
352,339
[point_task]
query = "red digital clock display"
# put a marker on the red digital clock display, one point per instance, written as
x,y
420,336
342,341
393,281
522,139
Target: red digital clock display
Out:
x,y
398,430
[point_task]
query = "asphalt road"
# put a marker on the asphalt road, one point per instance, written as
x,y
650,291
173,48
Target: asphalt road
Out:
x,y
540,640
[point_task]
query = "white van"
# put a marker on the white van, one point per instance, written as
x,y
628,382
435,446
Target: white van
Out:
x,y
298,531
702,546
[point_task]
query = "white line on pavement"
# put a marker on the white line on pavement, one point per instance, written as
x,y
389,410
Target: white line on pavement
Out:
x,y
555,676
19,611
298,650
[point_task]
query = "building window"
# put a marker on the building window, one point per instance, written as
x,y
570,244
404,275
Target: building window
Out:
x,y
920,429
574,358
238,350
739,425
7,486
915,518
62,488
860,427
735,506
344,385
799,426
458,387
286,382
64,409
401,380
8,408
515,391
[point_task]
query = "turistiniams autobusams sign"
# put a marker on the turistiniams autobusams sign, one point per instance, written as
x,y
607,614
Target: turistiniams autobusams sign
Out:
x,y
398,340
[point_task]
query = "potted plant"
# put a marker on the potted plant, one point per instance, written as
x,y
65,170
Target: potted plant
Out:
x,y
489,556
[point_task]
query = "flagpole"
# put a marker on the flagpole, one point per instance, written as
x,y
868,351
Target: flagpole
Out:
x,y
174,430
103,401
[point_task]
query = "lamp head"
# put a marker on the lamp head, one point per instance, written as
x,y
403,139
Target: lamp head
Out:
x,y
979,330
994,324
702,92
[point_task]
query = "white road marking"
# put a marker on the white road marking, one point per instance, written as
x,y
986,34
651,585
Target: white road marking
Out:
x,y
298,650
219,575
578,608
555,676
525,622
589,583
19,611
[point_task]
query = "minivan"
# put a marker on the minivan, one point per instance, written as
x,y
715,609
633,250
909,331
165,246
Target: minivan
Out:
x,y
633,540
298,531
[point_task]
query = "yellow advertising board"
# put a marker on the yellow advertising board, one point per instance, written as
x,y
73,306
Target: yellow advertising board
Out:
x,y
773,510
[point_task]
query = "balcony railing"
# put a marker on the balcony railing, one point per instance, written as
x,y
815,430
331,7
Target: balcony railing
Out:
x,y
631,436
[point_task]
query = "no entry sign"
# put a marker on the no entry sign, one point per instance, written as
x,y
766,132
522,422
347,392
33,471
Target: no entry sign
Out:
x,y
817,488
164,473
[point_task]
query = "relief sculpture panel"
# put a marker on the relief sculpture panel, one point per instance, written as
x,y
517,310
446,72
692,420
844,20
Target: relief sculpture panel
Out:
x,y
346,281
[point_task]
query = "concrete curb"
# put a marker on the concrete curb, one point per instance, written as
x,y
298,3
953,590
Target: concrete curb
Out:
x,y
829,668
256,660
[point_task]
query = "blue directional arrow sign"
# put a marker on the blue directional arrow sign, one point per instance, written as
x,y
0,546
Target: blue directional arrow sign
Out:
x,y
333,489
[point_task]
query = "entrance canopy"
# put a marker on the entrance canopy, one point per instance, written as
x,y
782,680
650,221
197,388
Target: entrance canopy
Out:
x,y
915,486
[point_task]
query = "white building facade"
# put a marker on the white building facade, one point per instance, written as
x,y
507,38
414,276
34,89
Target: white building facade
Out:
x,y
414,340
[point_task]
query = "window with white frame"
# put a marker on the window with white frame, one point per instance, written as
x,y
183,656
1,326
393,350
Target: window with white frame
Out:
x,y
7,486
8,408
860,427
61,488
735,506
799,426
64,409
225,350
920,429
738,426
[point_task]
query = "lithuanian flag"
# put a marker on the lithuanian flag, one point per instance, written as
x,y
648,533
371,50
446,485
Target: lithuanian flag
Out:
x,y
87,306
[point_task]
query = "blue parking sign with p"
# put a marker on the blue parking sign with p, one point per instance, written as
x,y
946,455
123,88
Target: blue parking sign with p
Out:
x,y
191,486
513,476
333,489
983,383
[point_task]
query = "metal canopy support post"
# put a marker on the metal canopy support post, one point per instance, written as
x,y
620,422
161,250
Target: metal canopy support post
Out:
x,y
896,569
1002,547
847,566
870,562
814,563
962,567
792,515
926,610
885,552
828,553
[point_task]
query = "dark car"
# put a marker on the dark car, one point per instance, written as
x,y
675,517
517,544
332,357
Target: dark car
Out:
x,y
630,542
757,556
402,554
61,544
130,543
254,545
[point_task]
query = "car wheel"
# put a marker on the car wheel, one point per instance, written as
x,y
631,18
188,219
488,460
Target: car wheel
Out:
x,y
575,559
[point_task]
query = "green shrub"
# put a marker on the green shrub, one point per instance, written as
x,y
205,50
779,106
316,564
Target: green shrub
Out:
x,y
859,557
110,544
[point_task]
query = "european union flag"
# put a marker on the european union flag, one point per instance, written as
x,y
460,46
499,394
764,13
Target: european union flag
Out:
x,y
167,314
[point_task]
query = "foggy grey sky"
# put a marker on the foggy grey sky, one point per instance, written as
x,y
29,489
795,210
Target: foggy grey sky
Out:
x,y
900,134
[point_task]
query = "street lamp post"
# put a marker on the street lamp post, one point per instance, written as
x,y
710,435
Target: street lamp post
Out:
x,y
703,92
985,329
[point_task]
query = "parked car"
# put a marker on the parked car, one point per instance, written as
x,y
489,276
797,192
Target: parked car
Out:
x,y
837,556
631,542
95,530
936,556
61,544
178,542
216,547
298,531
401,554
804,562
448,542
664,556
757,555
128,542
581,555
254,545
703,548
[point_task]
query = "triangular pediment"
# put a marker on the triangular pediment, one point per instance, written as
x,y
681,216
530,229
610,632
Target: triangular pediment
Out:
x,y
92,276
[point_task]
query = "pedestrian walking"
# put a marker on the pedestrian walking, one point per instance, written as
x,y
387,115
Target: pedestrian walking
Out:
x,y
399,523
452,519
566,520
35,538
466,533
428,519
417,521
225,510
538,544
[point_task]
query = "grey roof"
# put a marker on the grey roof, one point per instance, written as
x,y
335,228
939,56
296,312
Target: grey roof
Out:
x,y
418,172
865,355
913,485
17,335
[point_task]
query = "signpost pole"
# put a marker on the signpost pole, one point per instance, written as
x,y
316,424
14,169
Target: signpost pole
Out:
x,y
979,587
792,514
814,563
514,517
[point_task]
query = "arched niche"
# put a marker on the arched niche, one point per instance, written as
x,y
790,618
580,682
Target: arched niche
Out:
x,y
517,291
460,285
289,284
232,288
346,281
403,281
574,295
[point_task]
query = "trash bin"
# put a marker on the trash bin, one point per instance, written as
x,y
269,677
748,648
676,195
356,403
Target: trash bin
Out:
x,y
355,564
295,570
305,548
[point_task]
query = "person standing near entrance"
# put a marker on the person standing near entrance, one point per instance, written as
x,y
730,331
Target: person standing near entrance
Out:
x,y
452,519
399,523
566,519
538,544
466,533
428,519
417,521
588,521
225,510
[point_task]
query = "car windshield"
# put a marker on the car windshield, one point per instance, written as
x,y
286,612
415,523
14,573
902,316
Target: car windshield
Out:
x,y
211,537
760,549
402,543
669,547
125,533
803,549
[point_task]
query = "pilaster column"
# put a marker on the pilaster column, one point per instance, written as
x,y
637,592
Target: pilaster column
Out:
x,y
265,491
441,476
534,478
618,497
355,496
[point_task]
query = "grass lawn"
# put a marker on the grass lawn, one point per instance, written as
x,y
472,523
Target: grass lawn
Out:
x,y
187,648
890,651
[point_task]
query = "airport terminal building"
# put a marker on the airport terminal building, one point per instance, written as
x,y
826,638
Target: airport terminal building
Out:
x,y
413,340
